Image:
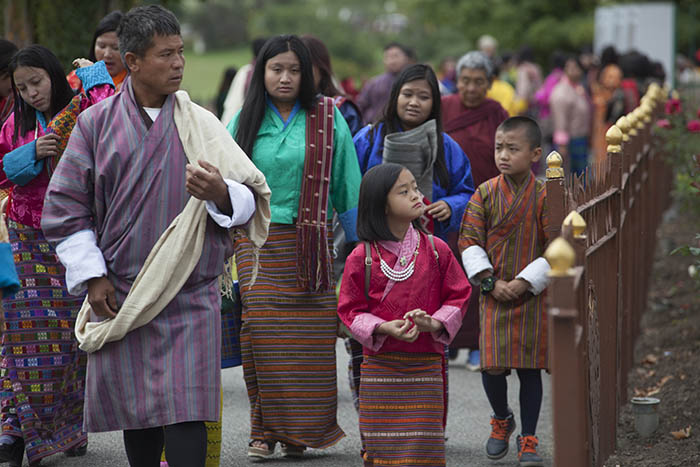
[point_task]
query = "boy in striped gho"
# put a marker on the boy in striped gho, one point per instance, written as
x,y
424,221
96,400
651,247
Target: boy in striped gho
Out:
x,y
502,239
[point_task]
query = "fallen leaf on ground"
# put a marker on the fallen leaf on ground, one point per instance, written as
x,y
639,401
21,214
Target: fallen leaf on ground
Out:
x,y
652,390
683,433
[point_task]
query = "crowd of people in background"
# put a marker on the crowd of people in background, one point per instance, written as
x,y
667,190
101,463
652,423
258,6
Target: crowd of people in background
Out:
x,y
135,219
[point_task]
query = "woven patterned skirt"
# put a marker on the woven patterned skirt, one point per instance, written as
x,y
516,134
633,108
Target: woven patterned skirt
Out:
x,y
402,409
230,330
42,371
288,347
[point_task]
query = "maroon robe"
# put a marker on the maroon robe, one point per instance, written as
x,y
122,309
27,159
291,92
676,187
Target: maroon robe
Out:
x,y
474,129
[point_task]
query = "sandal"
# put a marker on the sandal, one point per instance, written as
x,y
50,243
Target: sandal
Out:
x,y
292,450
261,448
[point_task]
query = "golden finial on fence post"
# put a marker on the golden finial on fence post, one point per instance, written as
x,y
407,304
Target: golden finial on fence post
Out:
x,y
632,120
646,109
624,125
577,224
554,166
653,91
614,138
639,118
560,256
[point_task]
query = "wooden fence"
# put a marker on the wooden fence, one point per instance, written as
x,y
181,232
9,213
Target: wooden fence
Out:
x,y
600,272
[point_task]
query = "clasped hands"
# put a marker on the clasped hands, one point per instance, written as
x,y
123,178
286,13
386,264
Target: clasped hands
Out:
x,y
413,323
507,291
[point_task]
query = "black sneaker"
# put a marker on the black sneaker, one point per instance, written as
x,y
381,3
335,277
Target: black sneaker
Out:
x,y
501,429
77,451
12,453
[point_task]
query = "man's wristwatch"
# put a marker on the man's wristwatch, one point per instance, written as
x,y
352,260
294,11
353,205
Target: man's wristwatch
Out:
x,y
487,284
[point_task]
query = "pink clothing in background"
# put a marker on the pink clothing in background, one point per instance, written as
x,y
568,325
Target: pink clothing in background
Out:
x,y
26,202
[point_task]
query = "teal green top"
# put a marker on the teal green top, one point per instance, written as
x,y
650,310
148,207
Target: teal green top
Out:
x,y
279,153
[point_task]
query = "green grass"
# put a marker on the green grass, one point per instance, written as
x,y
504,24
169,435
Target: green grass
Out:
x,y
203,73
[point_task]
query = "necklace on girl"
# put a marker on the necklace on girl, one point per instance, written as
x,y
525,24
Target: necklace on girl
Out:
x,y
392,274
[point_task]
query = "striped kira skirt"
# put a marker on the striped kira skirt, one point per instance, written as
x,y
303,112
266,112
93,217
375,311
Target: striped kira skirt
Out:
x,y
288,347
402,409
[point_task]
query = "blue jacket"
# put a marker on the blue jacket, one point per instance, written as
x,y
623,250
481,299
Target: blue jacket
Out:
x,y
457,195
9,282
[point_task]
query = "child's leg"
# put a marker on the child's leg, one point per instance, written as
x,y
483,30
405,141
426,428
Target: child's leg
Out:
x,y
530,399
496,387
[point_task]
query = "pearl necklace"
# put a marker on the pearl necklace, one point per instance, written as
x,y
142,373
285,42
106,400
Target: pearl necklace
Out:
x,y
392,274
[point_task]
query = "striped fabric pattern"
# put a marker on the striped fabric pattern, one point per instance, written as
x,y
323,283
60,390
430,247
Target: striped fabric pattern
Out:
x,y
315,264
509,223
401,410
288,347
42,372
168,371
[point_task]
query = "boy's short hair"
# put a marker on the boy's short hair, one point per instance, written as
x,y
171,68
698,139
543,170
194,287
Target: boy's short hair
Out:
x,y
532,129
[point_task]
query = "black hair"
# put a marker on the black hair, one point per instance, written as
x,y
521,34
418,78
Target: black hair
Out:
x,y
371,208
257,45
321,59
38,56
608,56
138,27
227,78
109,23
634,65
407,51
558,59
7,50
525,54
253,110
391,121
532,129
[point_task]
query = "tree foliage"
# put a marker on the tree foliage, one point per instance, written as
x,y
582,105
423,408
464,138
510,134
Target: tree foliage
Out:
x,y
65,27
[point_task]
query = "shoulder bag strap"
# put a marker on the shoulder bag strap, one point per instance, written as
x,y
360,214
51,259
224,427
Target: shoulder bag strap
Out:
x,y
368,268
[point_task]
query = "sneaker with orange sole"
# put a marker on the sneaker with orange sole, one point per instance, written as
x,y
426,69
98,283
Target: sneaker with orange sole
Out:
x,y
501,429
527,452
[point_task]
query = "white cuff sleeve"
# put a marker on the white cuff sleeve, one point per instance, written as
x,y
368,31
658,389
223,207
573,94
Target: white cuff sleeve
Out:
x,y
475,260
82,259
242,202
537,274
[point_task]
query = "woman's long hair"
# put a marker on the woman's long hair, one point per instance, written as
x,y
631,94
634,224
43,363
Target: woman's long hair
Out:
x,y
392,122
107,24
253,110
321,59
38,56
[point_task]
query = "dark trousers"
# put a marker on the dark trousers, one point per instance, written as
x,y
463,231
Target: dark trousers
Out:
x,y
185,445
496,387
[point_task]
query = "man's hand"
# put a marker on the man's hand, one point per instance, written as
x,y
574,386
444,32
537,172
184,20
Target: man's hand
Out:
x,y
502,292
206,183
102,298
82,63
47,146
399,329
423,321
440,210
518,286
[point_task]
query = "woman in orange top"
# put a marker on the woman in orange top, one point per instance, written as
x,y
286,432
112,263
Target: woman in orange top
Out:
x,y
105,46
